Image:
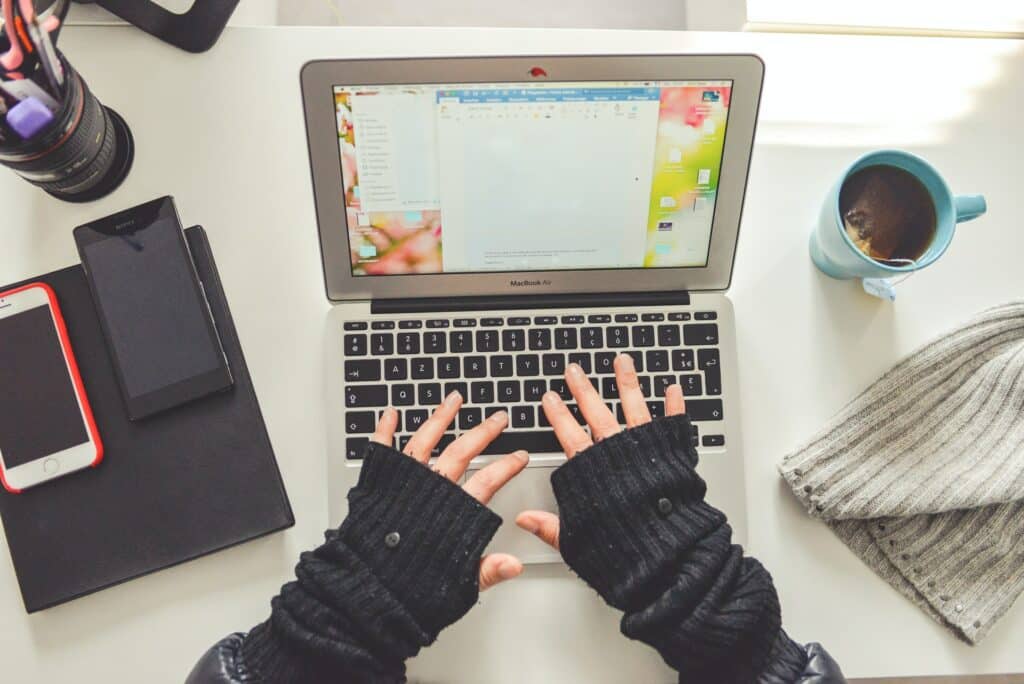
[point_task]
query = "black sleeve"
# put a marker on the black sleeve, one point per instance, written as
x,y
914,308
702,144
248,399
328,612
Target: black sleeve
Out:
x,y
635,527
403,565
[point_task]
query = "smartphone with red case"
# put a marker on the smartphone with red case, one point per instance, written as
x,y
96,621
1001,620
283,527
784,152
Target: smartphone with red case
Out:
x,y
47,428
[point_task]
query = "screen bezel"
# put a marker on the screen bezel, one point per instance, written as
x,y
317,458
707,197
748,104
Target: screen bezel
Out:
x,y
169,396
319,79
73,458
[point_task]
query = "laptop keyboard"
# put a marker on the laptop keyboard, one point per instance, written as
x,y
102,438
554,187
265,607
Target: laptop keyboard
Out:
x,y
509,362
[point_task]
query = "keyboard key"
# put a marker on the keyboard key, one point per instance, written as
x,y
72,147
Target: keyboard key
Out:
x,y
618,336
656,409
461,387
570,320
643,336
464,322
491,410
554,364
691,385
534,441
462,341
482,392
429,394
707,358
527,365
414,419
357,422
609,389
469,418
599,318
396,369
355,447
423,369
508,391
700,334
382,325
403,441
694,435
668,335
403,395
708,361
355,325
487,340
574,409
409,343
713,440
522,416
502,366
533,390
565,338
442,444
540,339
682,360
382,344
603,362
358,396
583,361
657,361
679,316
661,383
437,323
519,320
492,322
558,385
448,367
645,385
542,418
705,316
591,338
362,371
638,360
545,320
704,409
434,343
474,366
513,340
625,318
649,317
410,325
355,345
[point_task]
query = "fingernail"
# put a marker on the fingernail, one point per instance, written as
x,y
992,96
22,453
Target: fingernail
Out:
x,y
550,397
508,570
389,411
530,525
452,398
522,456
575,369
628,357
499,417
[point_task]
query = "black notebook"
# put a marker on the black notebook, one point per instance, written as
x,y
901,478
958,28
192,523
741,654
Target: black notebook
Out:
x,y
170,488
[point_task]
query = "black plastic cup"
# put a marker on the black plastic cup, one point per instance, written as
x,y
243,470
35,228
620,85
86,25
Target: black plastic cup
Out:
x,y
83,154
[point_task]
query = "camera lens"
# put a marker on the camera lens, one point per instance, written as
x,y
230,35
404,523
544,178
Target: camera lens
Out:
x,y
83,155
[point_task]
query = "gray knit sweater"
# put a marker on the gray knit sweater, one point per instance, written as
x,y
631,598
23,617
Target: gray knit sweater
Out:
x,y
922,475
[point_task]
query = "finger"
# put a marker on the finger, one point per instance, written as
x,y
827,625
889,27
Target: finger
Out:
x,y
486,481
571,436
601,421
498,567
675,405
456,457
429,434
541,523
634,406
386,426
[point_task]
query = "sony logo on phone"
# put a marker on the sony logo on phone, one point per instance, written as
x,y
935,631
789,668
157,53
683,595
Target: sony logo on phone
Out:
x,y
124,224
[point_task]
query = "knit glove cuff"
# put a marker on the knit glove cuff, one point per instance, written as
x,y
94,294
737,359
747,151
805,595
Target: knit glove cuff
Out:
x,y
631,508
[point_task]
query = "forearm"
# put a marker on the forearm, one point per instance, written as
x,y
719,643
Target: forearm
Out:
x,y
636,527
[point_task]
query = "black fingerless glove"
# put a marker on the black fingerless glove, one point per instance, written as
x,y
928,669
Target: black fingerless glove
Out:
x,y
403,566
636,528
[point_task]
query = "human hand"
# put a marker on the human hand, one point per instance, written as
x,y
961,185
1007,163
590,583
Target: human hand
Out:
x,y
453,461
602,422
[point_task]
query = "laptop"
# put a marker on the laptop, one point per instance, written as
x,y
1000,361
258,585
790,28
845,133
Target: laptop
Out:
x,y
486,221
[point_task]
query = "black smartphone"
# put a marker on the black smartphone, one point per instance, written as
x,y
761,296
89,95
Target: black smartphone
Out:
x,y
152,308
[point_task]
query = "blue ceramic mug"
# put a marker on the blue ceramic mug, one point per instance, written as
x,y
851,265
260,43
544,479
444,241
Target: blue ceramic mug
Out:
x,y
835,254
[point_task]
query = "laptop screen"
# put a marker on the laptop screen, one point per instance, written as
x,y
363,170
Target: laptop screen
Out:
x,y
468,178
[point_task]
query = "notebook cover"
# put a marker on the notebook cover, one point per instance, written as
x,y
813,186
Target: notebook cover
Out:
x,y
173,487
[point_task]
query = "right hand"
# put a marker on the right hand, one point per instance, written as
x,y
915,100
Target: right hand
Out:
x,y
602,422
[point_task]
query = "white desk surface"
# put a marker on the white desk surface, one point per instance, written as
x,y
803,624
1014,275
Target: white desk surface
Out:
x,y
223,132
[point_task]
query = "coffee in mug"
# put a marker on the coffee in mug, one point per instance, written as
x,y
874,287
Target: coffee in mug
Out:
x,y
887,213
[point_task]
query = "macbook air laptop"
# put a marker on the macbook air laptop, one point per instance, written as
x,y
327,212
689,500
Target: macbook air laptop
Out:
x,y
486,221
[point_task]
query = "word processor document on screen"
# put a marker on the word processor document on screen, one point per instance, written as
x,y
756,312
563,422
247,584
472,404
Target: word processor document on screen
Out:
x,y
513,177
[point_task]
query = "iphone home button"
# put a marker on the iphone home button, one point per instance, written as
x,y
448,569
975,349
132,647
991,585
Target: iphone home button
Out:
x,y
51,465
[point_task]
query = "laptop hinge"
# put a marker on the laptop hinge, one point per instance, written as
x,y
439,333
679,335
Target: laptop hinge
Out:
x,y
545,301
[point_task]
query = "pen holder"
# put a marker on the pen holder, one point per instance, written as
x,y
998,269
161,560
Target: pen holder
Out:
x,y
83,154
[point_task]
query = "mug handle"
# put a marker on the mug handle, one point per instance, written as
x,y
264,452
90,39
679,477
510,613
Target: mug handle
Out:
x,y
969,207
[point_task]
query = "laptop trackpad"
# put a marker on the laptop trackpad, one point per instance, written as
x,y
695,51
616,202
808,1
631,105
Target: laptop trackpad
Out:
x,y
530,489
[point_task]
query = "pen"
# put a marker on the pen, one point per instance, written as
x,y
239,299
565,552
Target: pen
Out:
x,y
39,33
